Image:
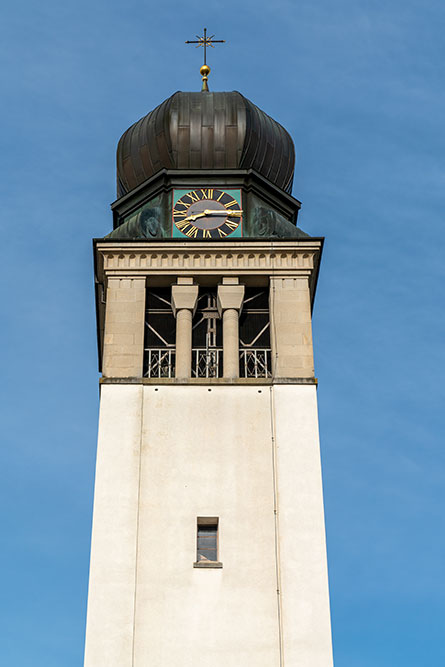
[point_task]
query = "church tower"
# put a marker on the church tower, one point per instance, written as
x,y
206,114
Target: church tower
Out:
x,y
208,543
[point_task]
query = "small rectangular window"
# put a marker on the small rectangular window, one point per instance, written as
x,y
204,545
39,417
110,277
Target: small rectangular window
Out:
x,y
207,542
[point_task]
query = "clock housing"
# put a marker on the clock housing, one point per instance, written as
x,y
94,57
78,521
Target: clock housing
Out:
x,y
261,210
207,213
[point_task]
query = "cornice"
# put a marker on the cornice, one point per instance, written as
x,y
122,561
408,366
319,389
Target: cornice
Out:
x,y
272,258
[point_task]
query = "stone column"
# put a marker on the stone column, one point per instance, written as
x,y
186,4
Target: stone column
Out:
x,y
291,327
123,353
230,303
184,299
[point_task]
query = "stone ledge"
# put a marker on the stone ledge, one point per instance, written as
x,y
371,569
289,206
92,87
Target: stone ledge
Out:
x,y
208,564
265,382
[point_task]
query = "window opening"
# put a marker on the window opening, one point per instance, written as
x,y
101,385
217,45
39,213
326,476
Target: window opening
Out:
x,y
207,344
254,327
207,542
207,337
160,334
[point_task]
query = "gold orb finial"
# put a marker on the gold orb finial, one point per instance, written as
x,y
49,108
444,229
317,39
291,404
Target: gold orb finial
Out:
x,y
205,71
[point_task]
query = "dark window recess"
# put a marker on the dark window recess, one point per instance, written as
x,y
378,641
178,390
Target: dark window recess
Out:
x,y
160,334
160,324
207,546
254,326
207,337
254,334
207,326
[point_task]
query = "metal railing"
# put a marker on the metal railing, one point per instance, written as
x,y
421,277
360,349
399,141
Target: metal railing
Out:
x,y
255,363
159,363
206,362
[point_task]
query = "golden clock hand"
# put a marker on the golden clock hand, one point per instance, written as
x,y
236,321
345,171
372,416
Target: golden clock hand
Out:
x,y
220,212
194,217
210,211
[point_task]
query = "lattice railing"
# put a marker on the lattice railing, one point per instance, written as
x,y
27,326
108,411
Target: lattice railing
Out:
x,y
159,363
255,363
207,363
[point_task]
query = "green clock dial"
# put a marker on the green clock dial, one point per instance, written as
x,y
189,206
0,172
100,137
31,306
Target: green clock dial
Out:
x,y
207,213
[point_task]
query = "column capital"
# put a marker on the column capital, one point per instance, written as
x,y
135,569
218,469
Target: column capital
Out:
x,y
230,296
184,296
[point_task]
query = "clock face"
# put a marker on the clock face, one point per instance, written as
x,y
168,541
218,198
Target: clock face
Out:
x,y
207,213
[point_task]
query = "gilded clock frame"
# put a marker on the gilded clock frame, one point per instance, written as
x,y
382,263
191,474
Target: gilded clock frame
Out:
x,y
193,232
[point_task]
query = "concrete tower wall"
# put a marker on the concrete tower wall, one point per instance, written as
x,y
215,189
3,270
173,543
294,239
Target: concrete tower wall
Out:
x,y
248,455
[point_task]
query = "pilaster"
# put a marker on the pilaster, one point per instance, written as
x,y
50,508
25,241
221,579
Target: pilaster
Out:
x,y
124,327
291,327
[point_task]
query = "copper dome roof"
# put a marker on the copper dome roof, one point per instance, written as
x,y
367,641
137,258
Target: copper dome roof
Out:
x,y
205,131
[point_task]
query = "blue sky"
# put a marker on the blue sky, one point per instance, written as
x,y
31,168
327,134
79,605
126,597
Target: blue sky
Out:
x,y
360,87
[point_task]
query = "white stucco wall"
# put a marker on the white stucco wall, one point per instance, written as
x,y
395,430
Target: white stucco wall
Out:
x,y
303,566
206,453
169,454
110,617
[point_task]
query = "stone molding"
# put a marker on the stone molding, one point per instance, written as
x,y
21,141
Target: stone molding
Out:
x,y
131,258
266,382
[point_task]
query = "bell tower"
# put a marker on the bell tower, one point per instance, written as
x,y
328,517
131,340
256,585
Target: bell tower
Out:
x,y
208,543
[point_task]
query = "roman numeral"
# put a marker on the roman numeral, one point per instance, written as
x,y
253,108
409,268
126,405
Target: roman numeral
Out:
x,y
192,232
179,214
181,225
232,225
220,196
206,234
221,232
193,196
207,194
231,203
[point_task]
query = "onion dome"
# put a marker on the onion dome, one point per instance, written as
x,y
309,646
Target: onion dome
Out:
x,y
205,131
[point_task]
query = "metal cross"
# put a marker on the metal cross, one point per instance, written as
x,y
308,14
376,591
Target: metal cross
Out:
x,y
205,42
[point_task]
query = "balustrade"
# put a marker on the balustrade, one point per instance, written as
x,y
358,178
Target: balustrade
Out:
x,y
207,363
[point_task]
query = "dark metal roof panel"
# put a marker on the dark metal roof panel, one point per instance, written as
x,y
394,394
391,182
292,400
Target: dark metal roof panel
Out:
x,y
268,148
205,131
